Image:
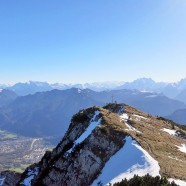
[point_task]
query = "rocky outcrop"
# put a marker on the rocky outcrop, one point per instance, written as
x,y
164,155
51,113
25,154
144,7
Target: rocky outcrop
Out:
x,y
10,178
79,164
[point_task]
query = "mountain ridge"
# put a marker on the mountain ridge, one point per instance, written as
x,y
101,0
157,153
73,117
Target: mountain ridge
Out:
x,y
171,90
49,113
70,162
179,116
6,97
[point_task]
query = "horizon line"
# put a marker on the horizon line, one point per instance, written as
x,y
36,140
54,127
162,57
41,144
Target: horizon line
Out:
x,y
84,83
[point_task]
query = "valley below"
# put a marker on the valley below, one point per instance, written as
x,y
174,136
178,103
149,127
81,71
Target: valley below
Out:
x,y
18,152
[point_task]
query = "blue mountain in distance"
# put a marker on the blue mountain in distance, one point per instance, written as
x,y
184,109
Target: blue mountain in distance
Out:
x,y
31,87
6,97
171,90
179,116
49,113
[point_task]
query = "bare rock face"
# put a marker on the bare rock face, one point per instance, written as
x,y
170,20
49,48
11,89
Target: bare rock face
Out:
x,y
10,178
83,165
92,138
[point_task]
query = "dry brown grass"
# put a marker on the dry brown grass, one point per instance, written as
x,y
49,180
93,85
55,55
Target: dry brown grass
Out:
x,y
159,144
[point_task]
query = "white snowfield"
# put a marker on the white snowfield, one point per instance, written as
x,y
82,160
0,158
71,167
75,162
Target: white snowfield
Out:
x,y
2,181
131,159
93,124
182,148
177,159
31,174
139,117
132,128
171,132
79,91
125,117
178,182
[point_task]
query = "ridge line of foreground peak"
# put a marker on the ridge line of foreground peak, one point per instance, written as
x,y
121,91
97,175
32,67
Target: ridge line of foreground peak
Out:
x,y
96,135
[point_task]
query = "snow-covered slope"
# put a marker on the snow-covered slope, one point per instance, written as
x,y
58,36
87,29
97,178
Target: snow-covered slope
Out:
x,y
130,160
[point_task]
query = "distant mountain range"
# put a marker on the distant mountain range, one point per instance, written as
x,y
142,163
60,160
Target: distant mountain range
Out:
x,y
6,97
43,114
172,90
40,108
49,113
32,87
179,116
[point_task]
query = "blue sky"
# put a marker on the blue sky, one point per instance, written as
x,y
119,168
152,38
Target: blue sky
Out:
x,y
92,41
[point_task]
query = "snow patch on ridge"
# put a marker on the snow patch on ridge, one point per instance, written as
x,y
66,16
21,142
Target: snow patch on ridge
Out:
x,y
125,117
171,132
175,158
138,117
93,124
178,182
182,148
79,90
30,176
132,128
131,159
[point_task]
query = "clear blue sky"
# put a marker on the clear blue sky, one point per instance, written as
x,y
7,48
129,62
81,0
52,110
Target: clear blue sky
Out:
x,y
92,40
